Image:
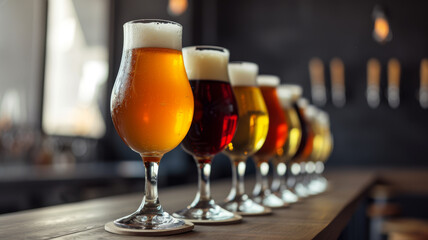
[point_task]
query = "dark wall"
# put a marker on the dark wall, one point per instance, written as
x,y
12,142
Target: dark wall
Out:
x,y
281,36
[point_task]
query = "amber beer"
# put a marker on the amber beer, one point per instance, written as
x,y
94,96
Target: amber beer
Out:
x,y
151,108
150,101
306,143
277,135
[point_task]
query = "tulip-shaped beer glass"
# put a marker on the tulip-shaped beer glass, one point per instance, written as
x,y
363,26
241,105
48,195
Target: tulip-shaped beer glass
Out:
x,y
253,125
304,151
213,127
152,109
277,135
324,141
288,95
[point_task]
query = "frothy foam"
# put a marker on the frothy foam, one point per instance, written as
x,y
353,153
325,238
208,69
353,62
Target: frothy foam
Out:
x,y
323,118
303,103
152,34
206,63
311,112
296,90
243,73
268,80
285,96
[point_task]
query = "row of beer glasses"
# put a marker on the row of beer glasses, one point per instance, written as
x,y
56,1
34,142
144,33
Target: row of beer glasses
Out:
x,y
223,107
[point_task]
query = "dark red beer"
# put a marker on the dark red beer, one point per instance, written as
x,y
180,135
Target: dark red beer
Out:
x,y
214,120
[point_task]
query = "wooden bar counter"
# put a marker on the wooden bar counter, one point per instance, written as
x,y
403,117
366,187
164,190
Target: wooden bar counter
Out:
x,y
317,217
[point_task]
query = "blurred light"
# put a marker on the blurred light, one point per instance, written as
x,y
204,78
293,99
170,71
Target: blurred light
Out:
x,y
66,33
337,75
177,7
423,88
381,30
10,108
316,72
394,71
373,81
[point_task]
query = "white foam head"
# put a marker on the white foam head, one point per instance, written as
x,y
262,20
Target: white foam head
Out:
x,y
268,80
311,112
323,118
206,63
302,103
288,93
285,96
243,73
296,90
152,33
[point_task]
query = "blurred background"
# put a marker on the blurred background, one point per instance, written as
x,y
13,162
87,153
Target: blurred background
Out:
x,y
361,61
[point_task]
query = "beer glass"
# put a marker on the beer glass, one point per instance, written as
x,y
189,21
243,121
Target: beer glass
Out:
x,y
307,161
303,152
152,109
253,125
318,183
288,94
213,127
277,135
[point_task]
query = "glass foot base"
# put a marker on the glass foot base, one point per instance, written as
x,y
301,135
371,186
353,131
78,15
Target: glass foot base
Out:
x,y
245,206
270,200
111,227
287,196
149,221
301,190
318,186
206,213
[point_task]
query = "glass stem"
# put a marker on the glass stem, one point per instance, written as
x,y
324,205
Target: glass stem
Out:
x,y
278,182
262,185
204,172
238,171
150,203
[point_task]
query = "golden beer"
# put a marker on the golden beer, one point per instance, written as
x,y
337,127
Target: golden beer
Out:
x,y
327,139
252,129
319,141
253,122
288,95
152,106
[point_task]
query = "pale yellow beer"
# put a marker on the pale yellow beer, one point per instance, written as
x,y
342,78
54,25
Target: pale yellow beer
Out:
x,y
253,122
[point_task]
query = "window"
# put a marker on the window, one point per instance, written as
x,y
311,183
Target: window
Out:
x,y
76,68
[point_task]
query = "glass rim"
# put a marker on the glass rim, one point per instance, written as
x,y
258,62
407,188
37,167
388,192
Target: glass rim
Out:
x,y
242,62
207,48
163,21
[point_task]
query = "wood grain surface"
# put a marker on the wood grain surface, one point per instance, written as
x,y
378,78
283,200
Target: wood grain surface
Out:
x,y
317,217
